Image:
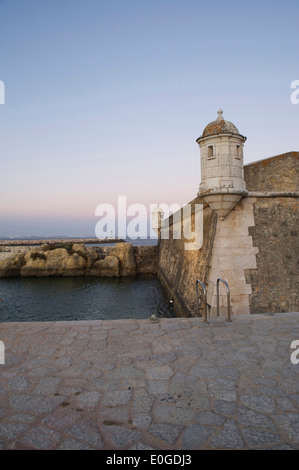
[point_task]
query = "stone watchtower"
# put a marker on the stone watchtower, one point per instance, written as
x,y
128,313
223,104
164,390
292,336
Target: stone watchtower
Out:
x,y
222,175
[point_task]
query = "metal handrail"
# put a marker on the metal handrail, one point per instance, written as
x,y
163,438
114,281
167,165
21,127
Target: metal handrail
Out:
x,y
205,316
228,298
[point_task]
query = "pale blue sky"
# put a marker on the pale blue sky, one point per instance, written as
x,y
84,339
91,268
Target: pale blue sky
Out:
x,y
107,98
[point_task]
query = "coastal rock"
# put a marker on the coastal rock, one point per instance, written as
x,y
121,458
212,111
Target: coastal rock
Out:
x,y
46,263
125,254
74,265
92,257
79,247
107,267
10,266
75,259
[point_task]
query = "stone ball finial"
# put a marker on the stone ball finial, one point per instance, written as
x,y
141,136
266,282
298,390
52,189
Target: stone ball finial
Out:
x,y
220,112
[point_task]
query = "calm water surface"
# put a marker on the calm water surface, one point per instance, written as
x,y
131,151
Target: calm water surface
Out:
x,y
82,298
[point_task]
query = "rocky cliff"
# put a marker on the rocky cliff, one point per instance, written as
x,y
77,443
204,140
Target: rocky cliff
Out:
x,y
75,259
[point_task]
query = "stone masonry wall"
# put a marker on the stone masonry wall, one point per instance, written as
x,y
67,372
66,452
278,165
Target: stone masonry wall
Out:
x,y
275,282
280,173
233,253
179,268
254,249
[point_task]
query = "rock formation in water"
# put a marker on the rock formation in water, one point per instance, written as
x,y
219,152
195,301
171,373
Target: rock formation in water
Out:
x,y
69,259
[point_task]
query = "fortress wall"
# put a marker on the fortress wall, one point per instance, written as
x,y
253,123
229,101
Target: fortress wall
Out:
x,y
233,253
280,173
179,268
255,248
275,282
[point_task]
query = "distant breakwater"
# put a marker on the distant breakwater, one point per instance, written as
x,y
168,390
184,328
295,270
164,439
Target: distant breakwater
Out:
x,y
86,241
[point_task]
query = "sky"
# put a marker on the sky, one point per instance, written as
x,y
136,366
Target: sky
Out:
x,y
106,98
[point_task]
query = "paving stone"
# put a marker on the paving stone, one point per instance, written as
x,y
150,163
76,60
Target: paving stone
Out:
x,y
72,444
113,415
271,391
141,446
167,413
183,381
61,419
256,438
244,330
193,400
165,358
89,399
10,431
206,372
264,381
21,402
42,350
290,385
125,372
209,418
133,383
285,404
104,384
161,372
87,431
156,387
224,395
47,386
196,436
22,418
41,437
18,384
166,432
50,403
228,438
117,398
120,436
162,345
42,371
290,424
229,373
259,403
248,417
142,401
142,420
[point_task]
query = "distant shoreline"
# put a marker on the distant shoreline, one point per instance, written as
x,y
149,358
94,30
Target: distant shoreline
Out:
x,y
86,241
33,242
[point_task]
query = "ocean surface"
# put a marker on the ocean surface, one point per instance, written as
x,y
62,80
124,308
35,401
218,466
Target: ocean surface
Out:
x,y
82,298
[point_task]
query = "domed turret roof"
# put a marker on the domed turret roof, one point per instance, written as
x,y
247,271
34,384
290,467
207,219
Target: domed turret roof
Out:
x,y
220,126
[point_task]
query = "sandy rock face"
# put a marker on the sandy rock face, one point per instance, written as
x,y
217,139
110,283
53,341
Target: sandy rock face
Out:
x,y
70,260
107,267
46,263
10,266
125,254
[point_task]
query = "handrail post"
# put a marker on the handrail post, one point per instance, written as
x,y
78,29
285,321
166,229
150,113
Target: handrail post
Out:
x,y
228,298
205,316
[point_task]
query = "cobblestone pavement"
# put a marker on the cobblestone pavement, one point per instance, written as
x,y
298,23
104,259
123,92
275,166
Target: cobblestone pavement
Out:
x,y
134,384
